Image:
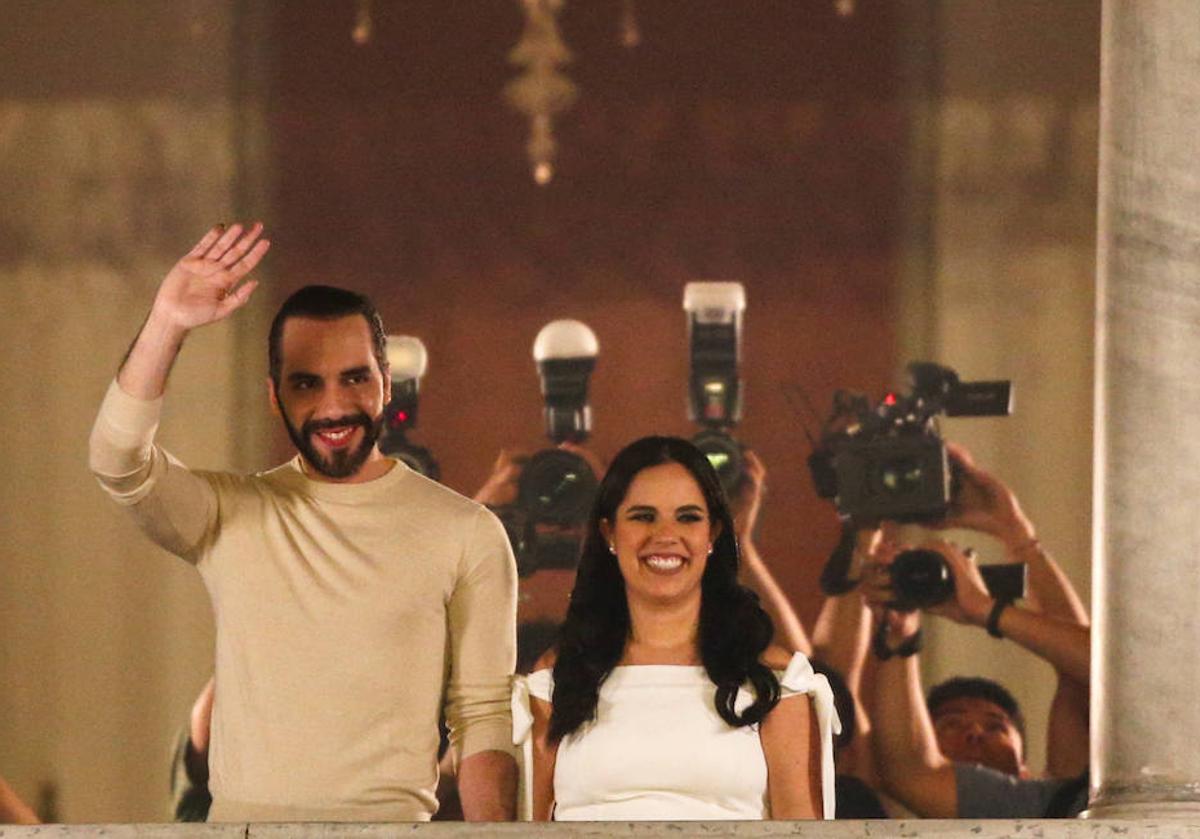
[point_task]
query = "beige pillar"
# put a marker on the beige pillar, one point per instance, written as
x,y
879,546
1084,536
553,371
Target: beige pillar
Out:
x,y
1145,713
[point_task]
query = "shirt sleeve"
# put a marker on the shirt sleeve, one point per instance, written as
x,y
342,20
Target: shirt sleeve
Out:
x,y
483,647
987,794
175,507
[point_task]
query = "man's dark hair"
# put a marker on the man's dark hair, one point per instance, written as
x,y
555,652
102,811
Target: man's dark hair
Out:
x,y
323,302
976,687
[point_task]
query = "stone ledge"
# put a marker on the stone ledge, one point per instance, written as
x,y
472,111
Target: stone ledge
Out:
x,y
899,829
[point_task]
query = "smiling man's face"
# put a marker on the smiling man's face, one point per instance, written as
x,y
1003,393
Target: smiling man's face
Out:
x,y
331,396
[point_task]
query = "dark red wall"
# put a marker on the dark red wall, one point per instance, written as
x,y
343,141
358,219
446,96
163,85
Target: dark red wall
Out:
x,y
755,141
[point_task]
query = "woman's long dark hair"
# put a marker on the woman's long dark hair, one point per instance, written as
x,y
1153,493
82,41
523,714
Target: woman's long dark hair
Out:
x,y
734,629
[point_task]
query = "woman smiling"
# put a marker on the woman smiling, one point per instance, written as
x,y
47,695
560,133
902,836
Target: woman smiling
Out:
x,y
663,699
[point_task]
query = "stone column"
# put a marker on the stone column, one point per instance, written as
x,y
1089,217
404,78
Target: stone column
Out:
x,y
1146,581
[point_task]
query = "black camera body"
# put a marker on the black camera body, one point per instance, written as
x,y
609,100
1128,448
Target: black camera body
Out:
x,y
714,311
557,487
889,461
922,578
906,478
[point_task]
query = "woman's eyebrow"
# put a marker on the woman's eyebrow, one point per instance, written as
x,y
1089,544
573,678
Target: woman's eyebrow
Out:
x,y
641,508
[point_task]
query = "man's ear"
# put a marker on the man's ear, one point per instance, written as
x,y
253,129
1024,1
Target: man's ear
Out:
x,y
386,370
273,397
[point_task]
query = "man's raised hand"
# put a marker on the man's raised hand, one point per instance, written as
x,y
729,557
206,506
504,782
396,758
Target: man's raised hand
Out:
x,y
209,282
202,288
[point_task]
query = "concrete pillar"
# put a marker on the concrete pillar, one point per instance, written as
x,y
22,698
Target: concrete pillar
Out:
x,y
1146,668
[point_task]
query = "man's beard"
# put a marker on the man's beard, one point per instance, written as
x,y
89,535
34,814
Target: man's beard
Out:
x,y
343,463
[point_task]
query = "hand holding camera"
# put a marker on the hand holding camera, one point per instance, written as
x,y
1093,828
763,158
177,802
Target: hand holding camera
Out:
x,y
984,503
895,587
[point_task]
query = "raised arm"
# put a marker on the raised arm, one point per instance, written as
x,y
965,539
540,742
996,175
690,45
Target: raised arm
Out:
x,y
789,631
986,504
841,639
173,506
908,760
1066,645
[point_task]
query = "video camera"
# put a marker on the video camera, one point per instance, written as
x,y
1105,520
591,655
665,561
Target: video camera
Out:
x,y
889,461
557,487
408,361
714,319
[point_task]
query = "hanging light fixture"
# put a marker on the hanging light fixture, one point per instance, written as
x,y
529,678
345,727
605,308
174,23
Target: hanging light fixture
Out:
x,y
631,33
363,25
541,92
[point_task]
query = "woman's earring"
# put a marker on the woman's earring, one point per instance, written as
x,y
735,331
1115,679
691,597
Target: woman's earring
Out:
x,y
710,548
612,549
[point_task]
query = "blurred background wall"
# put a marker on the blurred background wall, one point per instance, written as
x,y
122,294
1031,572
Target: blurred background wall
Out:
x,y
912,179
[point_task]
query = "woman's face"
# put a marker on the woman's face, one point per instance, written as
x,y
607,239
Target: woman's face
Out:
x,y
662,535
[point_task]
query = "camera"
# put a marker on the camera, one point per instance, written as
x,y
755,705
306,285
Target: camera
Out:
x,y
557,487
408,361
922,578
714,319
889,461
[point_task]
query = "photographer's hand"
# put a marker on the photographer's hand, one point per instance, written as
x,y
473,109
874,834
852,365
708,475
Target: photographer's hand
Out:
x,y
749,498
877,591
910,764
201,288
1066,645
500,488
971,603
985,503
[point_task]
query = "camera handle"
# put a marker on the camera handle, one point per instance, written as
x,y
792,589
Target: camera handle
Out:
x,y
835,576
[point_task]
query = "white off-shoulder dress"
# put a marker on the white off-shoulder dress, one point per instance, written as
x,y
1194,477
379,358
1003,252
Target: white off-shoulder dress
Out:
x,y
658,750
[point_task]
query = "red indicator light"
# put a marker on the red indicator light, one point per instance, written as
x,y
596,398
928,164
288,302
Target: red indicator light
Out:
x,y
890,399
402,416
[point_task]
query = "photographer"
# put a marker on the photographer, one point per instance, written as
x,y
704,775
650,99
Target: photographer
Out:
x,y
962,753
543,594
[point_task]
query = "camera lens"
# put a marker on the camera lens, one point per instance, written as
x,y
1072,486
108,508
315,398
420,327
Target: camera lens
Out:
x,y
557,487
899,477
920,579
725,455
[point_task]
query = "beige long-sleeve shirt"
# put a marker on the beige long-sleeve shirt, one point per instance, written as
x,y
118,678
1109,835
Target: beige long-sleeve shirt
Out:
x,y
344,613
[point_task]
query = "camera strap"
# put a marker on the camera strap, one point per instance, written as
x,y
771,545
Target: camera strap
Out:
x,y
908,647
835,576
993,618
